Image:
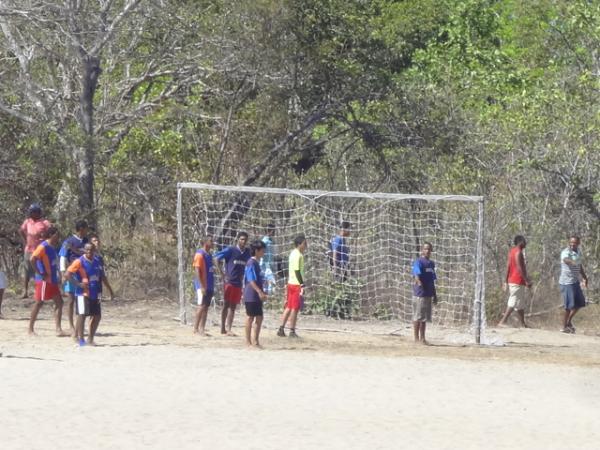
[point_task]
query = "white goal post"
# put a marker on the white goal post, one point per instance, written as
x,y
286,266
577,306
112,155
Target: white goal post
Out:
x,y
386,233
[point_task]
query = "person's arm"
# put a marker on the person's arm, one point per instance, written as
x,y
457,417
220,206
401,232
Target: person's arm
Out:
x,y
584,277
23,233
521,268
505,286
251,278
35,258
220,256
75,267
201,272
566,259
416,270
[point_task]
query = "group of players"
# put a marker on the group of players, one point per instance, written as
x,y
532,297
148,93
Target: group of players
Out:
x,y
76,269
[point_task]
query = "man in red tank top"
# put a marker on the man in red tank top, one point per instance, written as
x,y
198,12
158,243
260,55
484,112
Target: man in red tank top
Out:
x,y
517,282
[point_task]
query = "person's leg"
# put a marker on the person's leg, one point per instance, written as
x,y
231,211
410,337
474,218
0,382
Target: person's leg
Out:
x,y
79,328
71,312
248,330
293,320
284,318
58,306
571,315
197,318
507,313
258,324
230,316
1,296
224,314
566,317
416,329
26,274
422,327
521,314
203,317
94,322
34,313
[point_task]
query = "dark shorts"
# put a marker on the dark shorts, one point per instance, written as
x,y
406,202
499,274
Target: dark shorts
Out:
x,y
204,300
572,296
254,309
28,271
232,294
85,306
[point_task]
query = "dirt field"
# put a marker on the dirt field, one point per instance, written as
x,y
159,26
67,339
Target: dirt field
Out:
x,y
151,384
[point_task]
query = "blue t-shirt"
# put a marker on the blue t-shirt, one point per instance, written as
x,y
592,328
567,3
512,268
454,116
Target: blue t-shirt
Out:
x,y
424,269
235,262
210,271
94,274
72,248
340,250
252,273
47,261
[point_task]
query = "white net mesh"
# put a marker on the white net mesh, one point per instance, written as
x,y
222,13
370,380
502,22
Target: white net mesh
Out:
x,y
386,232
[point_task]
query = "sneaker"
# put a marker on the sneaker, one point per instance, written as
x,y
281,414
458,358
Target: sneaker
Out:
x,y
281,332
293,334
566,330
572,328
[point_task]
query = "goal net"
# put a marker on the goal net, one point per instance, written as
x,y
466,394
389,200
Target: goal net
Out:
x,y
386,232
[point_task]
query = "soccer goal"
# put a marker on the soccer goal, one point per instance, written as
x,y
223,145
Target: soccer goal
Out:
x,y
385,235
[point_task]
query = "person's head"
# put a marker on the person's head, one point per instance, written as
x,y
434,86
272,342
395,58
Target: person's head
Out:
x,y
520,241
242,239
257,249
34,211
574,242
81,228
52,235
271,229
426,250
88,250
207,242
94,239
300,243
345,228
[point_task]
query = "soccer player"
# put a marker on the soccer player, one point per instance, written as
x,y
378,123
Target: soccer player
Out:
x,y
33,230
295,287
254,295
516,282
71,249
47,287
340,253
204,284
423,292
85,273
95,240
235,257
266,262
571,270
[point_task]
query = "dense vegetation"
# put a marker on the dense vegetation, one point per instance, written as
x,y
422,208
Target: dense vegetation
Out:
x,y
106,104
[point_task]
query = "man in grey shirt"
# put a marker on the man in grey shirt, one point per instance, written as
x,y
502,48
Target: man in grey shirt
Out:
x,y
571,270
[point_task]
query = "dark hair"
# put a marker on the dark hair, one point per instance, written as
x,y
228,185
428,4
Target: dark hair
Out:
x,y
34,207
345,225
575,236
256,246
299,240
205,238
93,235
427,243
242,234
80,225
519,239
51,231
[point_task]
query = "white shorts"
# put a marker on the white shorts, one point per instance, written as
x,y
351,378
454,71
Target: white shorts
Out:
x,y
517,296
3,282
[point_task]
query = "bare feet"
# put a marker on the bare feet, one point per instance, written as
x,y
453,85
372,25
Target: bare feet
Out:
x,y
32,333
24,296
91,343
61,333
258,346
502,325
201,333
231,334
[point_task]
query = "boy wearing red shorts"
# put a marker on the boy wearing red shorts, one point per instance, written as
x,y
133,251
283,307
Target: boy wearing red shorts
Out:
x,y
44,261
235,257
295,287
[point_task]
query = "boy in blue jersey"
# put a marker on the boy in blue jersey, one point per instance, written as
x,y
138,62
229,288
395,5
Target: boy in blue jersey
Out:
x,y
95,240
254,295
424,293
340,253
204,284
235,257
71,249
47,279
86,275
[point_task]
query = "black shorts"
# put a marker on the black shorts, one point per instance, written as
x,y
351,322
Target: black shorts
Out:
x,y
85,306
254,309
204,300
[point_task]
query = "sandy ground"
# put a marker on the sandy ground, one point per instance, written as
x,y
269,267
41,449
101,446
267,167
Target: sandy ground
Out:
x,y
152,384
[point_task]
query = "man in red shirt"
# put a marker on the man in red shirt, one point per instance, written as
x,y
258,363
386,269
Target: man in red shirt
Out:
x,y
33,231
517,282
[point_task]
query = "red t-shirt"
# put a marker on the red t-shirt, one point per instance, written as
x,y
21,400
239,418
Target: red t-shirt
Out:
x,y
35,231
514,276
